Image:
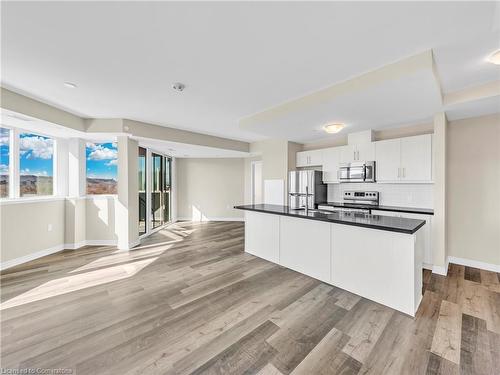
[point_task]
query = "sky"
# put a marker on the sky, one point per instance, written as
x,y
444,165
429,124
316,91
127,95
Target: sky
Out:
x,y
101,160
36,155
4,151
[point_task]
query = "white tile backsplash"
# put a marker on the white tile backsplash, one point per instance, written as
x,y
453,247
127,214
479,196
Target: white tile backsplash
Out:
x,y
406,195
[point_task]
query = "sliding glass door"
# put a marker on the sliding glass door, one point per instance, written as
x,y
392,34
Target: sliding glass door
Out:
x,y
157,208
167,190
155,190
142,190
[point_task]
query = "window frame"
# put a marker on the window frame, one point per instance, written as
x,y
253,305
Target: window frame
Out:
x,y
15,165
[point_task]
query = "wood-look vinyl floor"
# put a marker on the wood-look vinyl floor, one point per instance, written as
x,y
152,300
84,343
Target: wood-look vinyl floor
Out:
x,y
189,300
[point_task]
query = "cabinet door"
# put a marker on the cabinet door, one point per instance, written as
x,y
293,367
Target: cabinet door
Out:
x,y
347,154
365,152
416,158
331,161
305,247
315,157
302,159
262,235
426,230
388,160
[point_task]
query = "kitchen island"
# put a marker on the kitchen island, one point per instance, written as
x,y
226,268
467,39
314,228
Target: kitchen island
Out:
x,y
375,256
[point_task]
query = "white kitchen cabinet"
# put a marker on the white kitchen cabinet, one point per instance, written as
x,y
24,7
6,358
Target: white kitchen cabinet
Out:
x,y
331,162
309,158
305,246
416,158
404,159
388,160
357,153
262,235
426,231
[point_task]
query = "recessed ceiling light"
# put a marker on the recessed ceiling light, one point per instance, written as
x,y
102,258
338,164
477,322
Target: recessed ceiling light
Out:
x,y
177,86
70,85
333,128
495,58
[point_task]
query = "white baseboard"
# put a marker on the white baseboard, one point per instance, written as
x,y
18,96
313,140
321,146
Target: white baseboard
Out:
x,y
440,270
30,257
55,249
212,219
475,264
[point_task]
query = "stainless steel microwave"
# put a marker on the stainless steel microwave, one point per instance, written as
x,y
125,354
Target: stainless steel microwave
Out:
x,y
357,172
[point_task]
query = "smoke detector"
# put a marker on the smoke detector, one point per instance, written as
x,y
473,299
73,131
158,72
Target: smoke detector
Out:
x,y
177,86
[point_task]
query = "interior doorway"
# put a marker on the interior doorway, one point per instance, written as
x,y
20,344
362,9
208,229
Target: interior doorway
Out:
x,y
256,173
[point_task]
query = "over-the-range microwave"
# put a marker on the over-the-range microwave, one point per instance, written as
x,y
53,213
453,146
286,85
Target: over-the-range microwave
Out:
x,y
357,172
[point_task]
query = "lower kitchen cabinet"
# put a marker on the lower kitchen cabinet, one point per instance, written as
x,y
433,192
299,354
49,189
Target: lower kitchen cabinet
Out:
x,y
262,235
426,232
305,247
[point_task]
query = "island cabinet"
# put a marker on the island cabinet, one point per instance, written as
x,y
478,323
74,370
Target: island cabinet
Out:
x,y
305,247
382,265
264,240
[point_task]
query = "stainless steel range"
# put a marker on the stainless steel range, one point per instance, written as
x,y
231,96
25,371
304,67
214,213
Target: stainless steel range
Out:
x,y
355,201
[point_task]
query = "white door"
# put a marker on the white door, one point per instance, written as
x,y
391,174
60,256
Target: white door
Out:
x,y
416,158
331,161
388,160
257,182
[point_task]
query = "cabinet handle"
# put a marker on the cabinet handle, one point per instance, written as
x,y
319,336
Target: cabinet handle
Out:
x,y
404,172
399,172
357,152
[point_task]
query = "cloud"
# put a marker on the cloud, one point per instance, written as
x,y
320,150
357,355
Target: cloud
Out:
x,y
36,147
4,138
27,172
100,152
112,163
4,168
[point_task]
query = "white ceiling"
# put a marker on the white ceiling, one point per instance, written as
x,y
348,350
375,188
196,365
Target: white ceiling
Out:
x,y
236,59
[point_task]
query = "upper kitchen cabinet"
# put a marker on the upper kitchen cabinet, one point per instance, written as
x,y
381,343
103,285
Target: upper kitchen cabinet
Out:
x,y
309,158
404,159
388,160
358,152
331,161
416,158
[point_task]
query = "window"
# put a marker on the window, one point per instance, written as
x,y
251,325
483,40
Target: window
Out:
x,y
101,168
36,162
4,162
142,190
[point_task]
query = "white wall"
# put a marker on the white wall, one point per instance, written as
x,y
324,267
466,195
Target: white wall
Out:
x,y
25,230
473,189
100,219
207,189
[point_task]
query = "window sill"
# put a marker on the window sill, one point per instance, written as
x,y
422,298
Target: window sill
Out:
x,y
51,198
97,196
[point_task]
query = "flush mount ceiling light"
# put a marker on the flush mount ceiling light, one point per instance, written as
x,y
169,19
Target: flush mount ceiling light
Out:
x,y
177,86
494,58
70,85
333,128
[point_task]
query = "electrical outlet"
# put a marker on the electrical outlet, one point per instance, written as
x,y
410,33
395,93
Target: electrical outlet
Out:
x,y
49,228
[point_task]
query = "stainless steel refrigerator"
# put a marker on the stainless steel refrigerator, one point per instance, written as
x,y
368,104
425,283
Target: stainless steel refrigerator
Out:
x,y
306,188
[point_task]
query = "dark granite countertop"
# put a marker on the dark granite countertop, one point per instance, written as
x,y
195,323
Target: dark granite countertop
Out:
x,y
411,210
388,223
